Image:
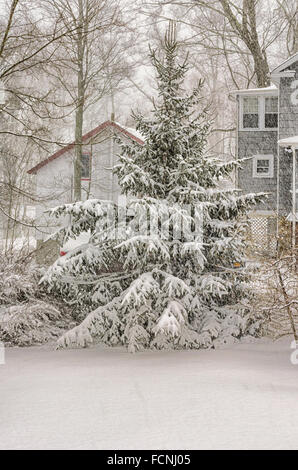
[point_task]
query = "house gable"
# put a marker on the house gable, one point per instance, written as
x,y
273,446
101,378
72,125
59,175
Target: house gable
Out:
x,y
86,138
287,65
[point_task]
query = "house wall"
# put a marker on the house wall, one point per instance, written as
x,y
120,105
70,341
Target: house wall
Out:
x,y
288,127
54,181
53,187
103,183
265,142
253,143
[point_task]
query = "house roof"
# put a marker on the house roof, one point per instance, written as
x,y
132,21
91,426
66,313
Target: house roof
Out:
x,y
130,133
286,63
289,142
290,217
270,90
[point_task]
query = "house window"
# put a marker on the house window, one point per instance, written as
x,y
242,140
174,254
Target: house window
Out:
x,y
250,113
86,166
271,112
263,166
258,112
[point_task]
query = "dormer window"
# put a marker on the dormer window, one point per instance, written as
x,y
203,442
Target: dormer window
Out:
x,y
86,166
258,112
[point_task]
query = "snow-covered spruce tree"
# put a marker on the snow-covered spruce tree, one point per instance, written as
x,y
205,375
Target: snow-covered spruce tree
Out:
x,y
149,284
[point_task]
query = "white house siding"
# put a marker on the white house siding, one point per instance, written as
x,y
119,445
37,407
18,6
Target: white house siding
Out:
x,y
54,181
103,183
53,187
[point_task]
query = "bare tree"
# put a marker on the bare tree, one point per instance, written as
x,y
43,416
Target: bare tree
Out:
x,y
89,59
246,28
243,23
57,58
289,10
276,291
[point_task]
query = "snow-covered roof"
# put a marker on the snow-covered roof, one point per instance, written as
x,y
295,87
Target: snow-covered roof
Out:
x,y
286,63
289,142
131,134
131,130
271,90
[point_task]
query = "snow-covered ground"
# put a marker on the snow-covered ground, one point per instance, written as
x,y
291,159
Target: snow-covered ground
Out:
x,y
244,397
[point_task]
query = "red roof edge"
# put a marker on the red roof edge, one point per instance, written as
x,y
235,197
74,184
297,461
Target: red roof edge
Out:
x,y
87,136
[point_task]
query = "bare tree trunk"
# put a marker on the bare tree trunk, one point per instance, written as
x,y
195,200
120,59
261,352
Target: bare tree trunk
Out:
x,y
80,108
13,7
288,9
247,31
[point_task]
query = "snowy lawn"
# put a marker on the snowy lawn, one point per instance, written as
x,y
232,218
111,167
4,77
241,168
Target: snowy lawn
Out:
x,y
244,397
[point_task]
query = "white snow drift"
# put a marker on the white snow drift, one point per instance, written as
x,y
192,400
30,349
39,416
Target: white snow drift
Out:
x,y
242,398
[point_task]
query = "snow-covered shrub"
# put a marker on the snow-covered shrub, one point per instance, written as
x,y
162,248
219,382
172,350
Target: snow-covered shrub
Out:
x,y
27,314
145,289
30,323
19,279
276,296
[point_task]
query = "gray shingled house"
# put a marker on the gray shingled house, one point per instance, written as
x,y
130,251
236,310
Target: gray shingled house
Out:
x,y
266,118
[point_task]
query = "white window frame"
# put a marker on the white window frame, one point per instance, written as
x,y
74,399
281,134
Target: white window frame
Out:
x,y
261,100
270,173
241,113
277,112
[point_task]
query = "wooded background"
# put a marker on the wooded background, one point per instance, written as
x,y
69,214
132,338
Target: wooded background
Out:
x,y
68,65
